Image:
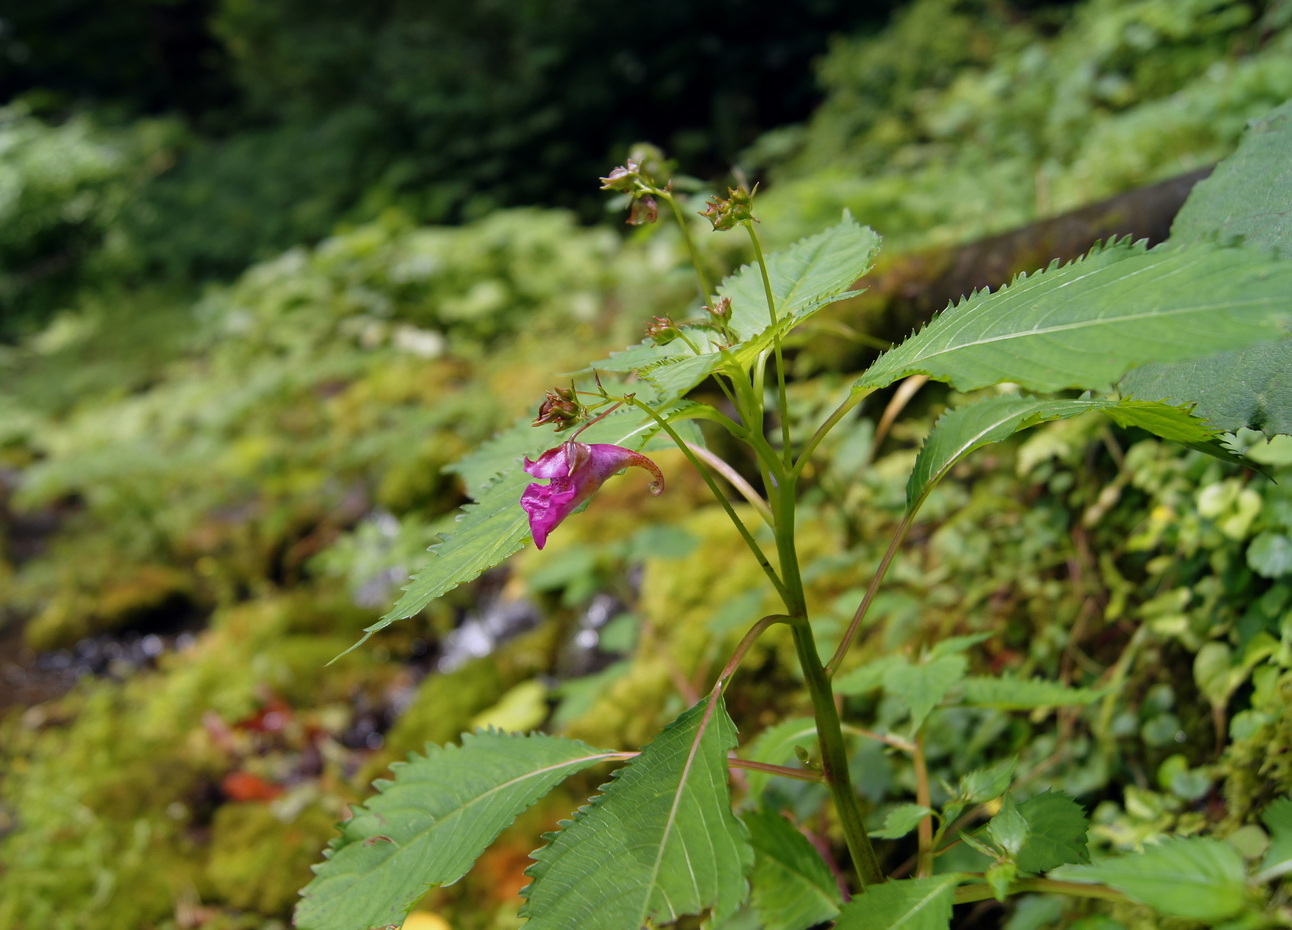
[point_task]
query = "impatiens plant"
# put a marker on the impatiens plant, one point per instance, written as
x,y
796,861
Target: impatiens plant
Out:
x,y
1208,312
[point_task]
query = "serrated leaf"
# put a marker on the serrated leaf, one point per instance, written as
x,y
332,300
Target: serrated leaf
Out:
x,y
1249,195
900,821
1172,422
495,527
910,904
953,645
643,355
993,419
868,677
805,277
487,532
658,843
1025,693
1085,324
792,886
1008,829
1056,832
1195,877
1278,858
922,687
776,746
988,783
960,431
502,453
1247,388
428,825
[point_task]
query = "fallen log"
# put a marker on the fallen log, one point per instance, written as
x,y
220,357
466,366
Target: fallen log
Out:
x,y
902,294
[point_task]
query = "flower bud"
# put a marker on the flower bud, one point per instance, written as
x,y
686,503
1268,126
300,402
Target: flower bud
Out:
x,y
738,207
561,408
721,310
662,330
643,210
624,178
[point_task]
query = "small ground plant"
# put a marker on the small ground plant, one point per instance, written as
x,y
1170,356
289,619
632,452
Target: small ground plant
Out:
x,y
1186,340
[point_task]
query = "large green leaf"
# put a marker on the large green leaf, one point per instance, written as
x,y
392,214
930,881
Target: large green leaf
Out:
x,y
1195,877
1249,195
658,843
804,278
1085,324
911,904
1056,832
1249,198
993,419
792,886
427,826
1249,387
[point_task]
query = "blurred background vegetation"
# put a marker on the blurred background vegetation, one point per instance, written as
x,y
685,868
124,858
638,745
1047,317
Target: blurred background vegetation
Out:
x,y
268,269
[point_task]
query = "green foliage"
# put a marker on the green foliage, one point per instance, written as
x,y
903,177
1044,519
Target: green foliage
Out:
x,y
1043,113
634,853
427,827
1194,877
63,189
1227,206
1082,618
1085,324
1042,833
912,904
791,885
658,843
803,280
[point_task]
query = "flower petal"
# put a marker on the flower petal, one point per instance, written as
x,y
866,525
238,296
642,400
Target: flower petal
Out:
x,y
576,470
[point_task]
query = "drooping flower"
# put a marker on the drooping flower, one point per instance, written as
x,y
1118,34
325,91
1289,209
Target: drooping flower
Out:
x,y
576,470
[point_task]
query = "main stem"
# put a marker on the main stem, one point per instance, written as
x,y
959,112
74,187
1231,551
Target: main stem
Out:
x,y
834,755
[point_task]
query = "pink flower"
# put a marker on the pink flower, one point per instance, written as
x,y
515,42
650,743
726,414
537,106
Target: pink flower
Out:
x,y
577,470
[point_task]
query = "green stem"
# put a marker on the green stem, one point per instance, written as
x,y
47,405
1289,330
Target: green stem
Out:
x,y
706,292
845,643
834,754
968,893
782,401
834,758
784,771
736,480
718,495
924,798
805,454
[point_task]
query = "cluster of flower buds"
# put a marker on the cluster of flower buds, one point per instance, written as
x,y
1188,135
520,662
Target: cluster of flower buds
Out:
x,y
738,207
662,330
721,311
561,408
637,178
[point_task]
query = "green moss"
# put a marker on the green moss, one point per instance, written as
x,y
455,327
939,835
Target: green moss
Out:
x,y
261,853
446,703
138,594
